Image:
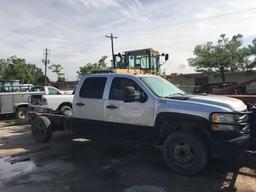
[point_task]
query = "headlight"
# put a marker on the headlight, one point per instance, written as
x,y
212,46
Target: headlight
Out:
x,y
218,118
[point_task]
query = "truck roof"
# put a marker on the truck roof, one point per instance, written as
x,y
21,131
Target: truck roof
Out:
x,y
116,74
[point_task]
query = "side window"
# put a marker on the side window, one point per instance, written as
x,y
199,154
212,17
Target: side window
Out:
x,y
52,91
36,89
93,87
118,85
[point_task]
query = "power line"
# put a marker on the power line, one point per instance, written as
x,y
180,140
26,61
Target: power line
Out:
x,y
197,20
46,61
213,17
112,47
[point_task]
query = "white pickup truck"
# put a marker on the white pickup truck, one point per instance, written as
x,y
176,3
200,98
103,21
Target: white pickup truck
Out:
x,y
51,99
149,110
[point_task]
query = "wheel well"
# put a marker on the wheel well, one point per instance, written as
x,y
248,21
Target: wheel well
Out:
x,y
181,126
19,106
65,104
170,123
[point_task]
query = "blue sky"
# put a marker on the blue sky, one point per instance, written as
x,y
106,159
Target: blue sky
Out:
x,y
74,30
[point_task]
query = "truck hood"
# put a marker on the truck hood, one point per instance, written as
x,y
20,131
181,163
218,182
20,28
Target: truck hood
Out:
x,y
222,101
200,105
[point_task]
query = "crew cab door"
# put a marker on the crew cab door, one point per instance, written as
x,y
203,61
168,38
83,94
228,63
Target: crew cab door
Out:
x,y
129,120
88,104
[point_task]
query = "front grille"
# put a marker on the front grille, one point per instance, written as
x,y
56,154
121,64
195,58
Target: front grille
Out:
x,y
243,121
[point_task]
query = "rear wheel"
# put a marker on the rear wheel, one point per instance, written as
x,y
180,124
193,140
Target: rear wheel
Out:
x,y
41,129
66,110
21,113
185,153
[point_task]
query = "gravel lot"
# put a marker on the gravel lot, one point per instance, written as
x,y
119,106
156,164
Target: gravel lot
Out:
x,y
71,163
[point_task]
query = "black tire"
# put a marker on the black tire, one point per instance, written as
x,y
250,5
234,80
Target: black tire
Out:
x,y
185,153
66,109
41,129
21,113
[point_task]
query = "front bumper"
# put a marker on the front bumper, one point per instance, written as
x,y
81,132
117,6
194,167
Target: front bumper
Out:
x,y
229,145
231,149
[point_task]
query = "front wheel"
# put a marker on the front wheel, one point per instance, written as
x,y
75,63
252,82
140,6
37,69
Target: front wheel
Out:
x,y
66,110
185,153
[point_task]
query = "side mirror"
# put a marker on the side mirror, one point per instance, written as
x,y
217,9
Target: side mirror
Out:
x,y
131,95
166,57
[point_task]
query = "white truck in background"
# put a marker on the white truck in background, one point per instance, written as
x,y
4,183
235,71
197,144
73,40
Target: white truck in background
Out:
x,y
17,102
51,99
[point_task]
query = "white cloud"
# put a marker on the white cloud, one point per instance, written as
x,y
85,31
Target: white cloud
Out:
x,y
74,30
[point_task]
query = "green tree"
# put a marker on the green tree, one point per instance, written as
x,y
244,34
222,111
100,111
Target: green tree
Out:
x,y
57,68
3,66
90,67
251,59
226,55
17,68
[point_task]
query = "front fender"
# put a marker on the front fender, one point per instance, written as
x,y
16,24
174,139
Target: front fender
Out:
x,y
169,122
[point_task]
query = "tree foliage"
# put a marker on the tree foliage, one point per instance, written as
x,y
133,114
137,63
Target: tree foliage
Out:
x,y
57,68
225,55
90,67
14,68
251,60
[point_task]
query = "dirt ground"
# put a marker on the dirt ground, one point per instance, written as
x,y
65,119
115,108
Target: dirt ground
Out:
x,y
70,163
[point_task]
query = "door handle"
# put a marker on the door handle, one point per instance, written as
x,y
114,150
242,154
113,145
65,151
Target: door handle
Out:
x,y
80,104
111,107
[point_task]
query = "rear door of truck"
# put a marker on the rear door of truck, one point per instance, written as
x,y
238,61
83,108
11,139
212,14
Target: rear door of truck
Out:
x,y
88,105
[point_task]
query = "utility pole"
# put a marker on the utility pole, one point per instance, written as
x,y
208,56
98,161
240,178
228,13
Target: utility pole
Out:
x,y
112,47
46,61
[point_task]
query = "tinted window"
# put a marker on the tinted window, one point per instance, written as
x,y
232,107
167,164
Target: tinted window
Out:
x,y
53,91
93,87
36,89
118,85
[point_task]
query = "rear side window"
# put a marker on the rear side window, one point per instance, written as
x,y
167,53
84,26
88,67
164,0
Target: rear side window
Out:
x,y
52,91
93,87
36,89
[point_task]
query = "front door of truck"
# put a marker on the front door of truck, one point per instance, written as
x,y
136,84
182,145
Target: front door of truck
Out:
x,y
88,106
129,120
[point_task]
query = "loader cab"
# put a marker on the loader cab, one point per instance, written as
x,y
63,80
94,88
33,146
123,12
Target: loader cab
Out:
x,y
139,61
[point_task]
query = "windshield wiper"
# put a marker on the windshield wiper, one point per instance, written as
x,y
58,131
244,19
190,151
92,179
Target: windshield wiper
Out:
x,y
181,96
177,94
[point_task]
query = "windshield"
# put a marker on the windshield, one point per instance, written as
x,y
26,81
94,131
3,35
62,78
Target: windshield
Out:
x,y
161,87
